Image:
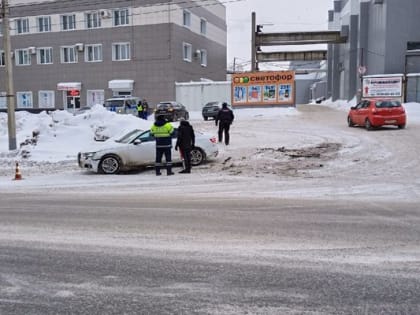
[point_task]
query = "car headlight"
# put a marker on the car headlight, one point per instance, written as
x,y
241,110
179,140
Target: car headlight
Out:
x,y
88,155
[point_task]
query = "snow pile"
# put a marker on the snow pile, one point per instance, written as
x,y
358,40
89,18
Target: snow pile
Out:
x,y
60,134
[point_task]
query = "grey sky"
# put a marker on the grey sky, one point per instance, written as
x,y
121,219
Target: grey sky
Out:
x,y
285,15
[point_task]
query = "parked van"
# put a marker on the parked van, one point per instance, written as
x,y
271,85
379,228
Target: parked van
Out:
x,y
122,104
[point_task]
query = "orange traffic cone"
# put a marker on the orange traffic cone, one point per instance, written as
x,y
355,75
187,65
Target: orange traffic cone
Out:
x,y
18,175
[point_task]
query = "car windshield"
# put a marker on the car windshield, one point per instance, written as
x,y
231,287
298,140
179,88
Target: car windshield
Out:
x,y
387,104
129,137
114,103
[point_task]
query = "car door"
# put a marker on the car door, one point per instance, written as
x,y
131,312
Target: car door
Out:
x,y
359,113
354,113
142,151
364,112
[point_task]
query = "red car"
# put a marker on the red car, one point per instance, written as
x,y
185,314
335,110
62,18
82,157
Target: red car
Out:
x,y
377,112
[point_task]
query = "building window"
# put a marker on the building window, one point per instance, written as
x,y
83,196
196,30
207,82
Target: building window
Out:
x,y
44,24
93,53
68,54
203,26
93,20
203,57
24,100
22,57
3,103
44,56
68,22
2,58
186,18
121,51
46,99
22,26
187,52
121,17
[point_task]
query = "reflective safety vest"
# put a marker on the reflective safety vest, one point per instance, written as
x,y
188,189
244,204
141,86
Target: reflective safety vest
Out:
x,y
139,108
163,135
162,131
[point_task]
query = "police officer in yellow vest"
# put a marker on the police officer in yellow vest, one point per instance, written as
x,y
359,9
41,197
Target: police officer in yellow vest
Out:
x,y
162,131
140,109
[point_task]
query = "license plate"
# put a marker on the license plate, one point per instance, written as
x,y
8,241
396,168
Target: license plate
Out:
x,y
390,121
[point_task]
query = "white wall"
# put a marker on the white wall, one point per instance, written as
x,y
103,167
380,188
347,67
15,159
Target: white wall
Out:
x,y
194,95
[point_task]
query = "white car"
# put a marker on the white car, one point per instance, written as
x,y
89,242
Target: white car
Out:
x,y
137,149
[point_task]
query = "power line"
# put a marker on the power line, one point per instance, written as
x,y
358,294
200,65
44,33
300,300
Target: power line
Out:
x,y
131,15
61,6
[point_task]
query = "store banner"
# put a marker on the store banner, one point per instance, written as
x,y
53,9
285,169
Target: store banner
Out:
x,y
383,86
263,88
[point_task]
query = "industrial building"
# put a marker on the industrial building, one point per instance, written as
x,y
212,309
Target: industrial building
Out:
x,y
73,53
383,38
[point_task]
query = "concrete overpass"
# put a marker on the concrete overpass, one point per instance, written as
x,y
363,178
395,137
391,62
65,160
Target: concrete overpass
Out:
x,y
260,39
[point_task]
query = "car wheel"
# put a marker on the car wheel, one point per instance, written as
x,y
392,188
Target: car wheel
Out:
x,y
368,124
197,156
350,123
110,164
401,126
206,118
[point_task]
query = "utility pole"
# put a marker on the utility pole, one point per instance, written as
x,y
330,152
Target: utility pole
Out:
x,y
253,38
10,93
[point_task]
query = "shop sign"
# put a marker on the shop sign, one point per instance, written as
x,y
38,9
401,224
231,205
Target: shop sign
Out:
x,y
263,88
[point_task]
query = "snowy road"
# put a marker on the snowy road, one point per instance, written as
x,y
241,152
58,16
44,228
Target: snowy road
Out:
x,y
114,254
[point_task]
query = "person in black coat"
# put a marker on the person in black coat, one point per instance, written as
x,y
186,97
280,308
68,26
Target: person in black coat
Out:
x,y
224,118
185,142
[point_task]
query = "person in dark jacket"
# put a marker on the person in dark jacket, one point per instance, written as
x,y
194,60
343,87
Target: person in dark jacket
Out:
x,y
145,108
162,131
224,119
185,142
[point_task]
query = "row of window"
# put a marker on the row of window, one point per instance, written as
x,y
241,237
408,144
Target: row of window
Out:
x,y
68,54
188,54
24,99
92,53
46,99
186,21
68,22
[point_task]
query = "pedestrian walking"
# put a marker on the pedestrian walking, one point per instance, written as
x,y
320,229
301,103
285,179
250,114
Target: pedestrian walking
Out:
x,y
185,142
145,108
224,119
162,131
140,109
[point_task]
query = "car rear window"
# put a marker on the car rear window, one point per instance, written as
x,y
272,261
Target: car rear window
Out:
x,y
164,105
387,104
